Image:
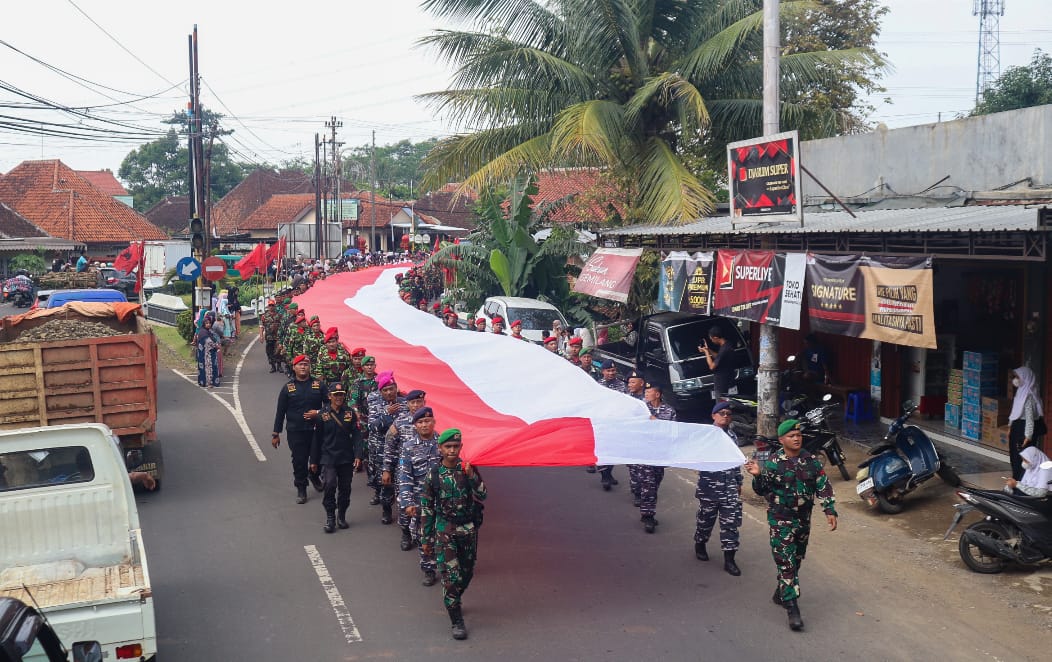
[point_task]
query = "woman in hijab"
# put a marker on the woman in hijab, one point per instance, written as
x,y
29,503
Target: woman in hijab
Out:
x,y
1026,419
1035,479
207,353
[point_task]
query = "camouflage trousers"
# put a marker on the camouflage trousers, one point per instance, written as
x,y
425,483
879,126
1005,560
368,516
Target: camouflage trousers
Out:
x,y
790,530
718,498
455,552
645,481
374,471
427,561
272,352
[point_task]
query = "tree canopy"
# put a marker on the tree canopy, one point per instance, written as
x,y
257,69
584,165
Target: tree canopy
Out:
x,y
159,168
634,87
398,169
1019,87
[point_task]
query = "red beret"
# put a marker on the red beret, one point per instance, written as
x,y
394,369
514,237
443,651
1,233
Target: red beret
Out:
x,y
331,332
481,320
436,306
301,313
517,323
300,359
550,339
577,340
449,311
358,351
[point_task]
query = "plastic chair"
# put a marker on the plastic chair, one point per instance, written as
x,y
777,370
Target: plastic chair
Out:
x,y
858,408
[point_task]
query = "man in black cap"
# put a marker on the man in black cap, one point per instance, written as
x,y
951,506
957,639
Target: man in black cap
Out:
x,y
299,404
610,380
719,495
419,456
339,450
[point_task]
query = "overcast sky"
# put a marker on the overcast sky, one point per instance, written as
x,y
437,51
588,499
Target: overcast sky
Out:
x,y
280,70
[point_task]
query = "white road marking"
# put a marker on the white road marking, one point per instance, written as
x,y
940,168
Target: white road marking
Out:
x,y
235,409
343,615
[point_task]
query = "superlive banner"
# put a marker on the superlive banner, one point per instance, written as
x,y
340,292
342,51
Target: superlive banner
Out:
x,y
759,286
686,282
882,298
608,273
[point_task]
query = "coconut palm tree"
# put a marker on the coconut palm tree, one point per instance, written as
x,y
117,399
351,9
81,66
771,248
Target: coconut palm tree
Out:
x,y
626,85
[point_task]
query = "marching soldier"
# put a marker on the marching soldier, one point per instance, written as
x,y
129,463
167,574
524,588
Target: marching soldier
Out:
x,y
337,448
480,325
719,495
383,406
791,480
314,339
450,513
419,455
355,372
648,477
299,404
498,325
516,330
269,324
610,380
401,430
333,358
296,336
573,350
634,388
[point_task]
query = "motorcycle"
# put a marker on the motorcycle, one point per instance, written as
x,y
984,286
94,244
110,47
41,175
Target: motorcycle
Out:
x,y
745,407
1016,528
818,436
895,468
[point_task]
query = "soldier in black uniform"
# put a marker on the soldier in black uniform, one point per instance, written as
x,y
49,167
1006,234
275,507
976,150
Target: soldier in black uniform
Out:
x,y
299,404
338,448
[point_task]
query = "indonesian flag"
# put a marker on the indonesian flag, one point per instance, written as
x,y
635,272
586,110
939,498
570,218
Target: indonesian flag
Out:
x,y
516,403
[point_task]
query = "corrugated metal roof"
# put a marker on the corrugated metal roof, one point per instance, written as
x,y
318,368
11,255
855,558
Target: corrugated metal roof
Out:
x,y
939,219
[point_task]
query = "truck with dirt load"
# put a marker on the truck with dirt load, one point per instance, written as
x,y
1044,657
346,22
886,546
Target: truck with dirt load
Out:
x,y
84,363
72,546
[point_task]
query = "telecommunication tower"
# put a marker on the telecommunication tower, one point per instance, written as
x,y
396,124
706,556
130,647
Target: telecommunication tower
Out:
x,y
989,13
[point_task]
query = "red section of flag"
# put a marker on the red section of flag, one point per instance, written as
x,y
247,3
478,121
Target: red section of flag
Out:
x,y
255,260
128,259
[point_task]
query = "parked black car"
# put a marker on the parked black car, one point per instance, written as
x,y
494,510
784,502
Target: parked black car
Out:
x,y
667,354
118,280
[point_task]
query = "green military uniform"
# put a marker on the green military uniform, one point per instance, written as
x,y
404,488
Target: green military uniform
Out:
x,y
791,486
331,366
270,324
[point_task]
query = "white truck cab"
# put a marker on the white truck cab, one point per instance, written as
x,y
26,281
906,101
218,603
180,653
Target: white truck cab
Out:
x,y
71,541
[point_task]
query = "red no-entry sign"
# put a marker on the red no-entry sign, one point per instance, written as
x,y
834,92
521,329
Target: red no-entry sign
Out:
x,y
212,268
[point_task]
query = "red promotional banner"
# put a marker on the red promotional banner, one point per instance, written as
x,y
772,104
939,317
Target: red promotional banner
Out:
x,y
608,273
759,286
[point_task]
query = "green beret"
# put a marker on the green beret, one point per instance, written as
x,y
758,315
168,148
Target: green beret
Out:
x,y
293,306
452,434
368,359
786,426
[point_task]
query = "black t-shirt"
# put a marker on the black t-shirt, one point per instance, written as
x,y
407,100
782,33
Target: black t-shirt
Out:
x,y
724,370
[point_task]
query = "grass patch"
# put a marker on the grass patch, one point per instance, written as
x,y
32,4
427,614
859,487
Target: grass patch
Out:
x,y
172,347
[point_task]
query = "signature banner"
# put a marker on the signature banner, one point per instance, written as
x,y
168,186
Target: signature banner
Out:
x,y
685,284
759,286
878,297
608,273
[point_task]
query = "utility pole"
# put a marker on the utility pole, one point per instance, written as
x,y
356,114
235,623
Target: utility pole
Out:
x,y
334,124
317,191
767,376
372,192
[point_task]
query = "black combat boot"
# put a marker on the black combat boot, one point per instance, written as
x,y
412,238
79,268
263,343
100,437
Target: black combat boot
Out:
x,y
430,578
777,597
729,565
649,523
301,495
330,522
636,501
375,501
795,622
700,552
407,540
606,478
341,518
457,619
590,468
386,517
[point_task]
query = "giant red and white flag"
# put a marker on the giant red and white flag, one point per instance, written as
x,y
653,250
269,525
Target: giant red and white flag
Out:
x,y
516,403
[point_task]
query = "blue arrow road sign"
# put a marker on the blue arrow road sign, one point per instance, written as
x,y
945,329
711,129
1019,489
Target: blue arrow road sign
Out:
x,y
188,269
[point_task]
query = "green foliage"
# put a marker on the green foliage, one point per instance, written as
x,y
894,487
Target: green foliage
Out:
x,y
645,284
159,168
1019,87
180,287
31,262
184,321
398,170
634,87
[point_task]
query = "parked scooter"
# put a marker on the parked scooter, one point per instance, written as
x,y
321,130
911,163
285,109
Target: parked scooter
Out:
x,y
818,436
906,459
1016,528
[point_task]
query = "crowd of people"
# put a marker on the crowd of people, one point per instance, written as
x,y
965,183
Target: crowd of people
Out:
x,y
341,415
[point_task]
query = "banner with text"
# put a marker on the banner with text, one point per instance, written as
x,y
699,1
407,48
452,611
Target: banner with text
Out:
x,y
608,273
878,297
686,282
759,286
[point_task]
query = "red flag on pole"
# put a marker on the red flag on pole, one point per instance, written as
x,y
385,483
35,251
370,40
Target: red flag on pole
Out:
x,y
129,258
253,261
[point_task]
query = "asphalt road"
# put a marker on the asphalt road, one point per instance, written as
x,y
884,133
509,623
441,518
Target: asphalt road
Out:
x,y
565,572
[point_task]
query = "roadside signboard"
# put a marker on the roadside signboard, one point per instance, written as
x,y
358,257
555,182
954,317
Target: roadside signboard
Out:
x,y
213,268
188,269
764,178
608,273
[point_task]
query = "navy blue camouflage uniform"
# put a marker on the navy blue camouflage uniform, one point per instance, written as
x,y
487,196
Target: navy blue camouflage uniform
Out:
x,y
648,478
418,456
379,422
615,384
719,497
403,429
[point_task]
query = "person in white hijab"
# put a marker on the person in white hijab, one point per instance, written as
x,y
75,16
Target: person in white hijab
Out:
x,y
1035,479
1026,411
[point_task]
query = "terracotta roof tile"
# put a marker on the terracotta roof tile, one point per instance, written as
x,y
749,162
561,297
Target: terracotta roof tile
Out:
x,y
104,181
593,195
385,209
15,226
279,209
447,208
52,196
229,214
171,214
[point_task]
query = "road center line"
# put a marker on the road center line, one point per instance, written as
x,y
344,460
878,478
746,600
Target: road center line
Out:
x,y
343,615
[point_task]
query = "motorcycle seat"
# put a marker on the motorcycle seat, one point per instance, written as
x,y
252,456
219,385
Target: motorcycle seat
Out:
x,y
881,448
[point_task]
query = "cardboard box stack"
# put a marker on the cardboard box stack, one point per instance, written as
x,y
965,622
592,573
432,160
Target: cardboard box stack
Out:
x,y
954,393
995,420
979,378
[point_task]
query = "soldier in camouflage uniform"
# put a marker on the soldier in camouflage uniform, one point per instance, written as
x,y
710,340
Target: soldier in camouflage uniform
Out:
x,y
401,430
634,388
354,372
314,339
333,358
296,335
609,379
419,454
269,324
383,406
719,496
450,515
650,477
791,479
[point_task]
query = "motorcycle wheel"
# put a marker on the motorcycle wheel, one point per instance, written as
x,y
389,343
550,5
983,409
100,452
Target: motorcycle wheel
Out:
x,y
976,559
888,505
949,475
843,469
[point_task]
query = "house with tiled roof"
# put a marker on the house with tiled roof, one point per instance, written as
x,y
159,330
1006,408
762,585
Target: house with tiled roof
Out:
x,y
62,203
108,184
172,214
448,207
18,235
591,198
